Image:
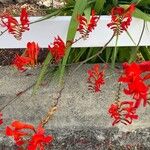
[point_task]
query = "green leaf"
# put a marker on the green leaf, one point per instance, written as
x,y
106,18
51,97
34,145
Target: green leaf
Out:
x,y
138,13
87,13
141,2
114,54
108,53
145,51
124,54
133,54
80,53
78,10
99,4
42,72
89,52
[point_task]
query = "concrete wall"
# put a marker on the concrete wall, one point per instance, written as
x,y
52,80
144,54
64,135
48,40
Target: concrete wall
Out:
x,y
80,114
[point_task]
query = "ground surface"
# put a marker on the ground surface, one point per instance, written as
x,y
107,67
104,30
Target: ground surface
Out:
x,y
94,139
34,7
81,121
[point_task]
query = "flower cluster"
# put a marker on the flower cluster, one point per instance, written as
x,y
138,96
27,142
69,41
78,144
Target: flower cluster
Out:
x,y
85,26
26,135
132,76
57,49
121,18
125,111
96,78
12,24
29,58
39,139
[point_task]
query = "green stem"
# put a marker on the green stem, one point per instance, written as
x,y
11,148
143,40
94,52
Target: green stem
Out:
x,y
133,55
131,37
42,73
56,13
114,55
97,54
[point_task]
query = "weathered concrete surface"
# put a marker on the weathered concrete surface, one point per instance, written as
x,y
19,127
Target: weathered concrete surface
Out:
x,y
78,110
94,139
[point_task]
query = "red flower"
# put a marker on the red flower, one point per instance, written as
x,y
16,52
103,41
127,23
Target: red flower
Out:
x,y
96,78
13,26
86,27
29,58
24,20
57,49
145,66
32,52
121,18
39,139
20,62
123,112
139,90
131,71
1,120
136,86
15,130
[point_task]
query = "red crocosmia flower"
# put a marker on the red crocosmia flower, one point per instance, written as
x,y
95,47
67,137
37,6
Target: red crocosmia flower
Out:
x,y
145,66
121,18
57,49
20,62
18,130
32,52
85,26
24,20
123,112
96,78
18,125
13,26
39,139
131,71
1,120
29,58
135,81
139,90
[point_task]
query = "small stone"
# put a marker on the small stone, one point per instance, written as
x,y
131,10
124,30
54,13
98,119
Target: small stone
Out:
x,y
46,3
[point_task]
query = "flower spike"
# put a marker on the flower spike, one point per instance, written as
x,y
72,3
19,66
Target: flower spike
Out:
x,y
57,49
86,27
96,78
121,19
13,26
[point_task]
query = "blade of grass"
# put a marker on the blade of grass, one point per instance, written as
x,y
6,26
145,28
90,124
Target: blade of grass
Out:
x,y
138,13
99,4
42,73
145,52
78,10
108,53
114,54
82,51
89,52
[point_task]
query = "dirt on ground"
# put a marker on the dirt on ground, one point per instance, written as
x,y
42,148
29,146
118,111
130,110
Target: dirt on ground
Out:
x,y
33,8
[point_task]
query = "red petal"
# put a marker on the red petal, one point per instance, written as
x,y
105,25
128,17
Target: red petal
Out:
x,y
21,125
